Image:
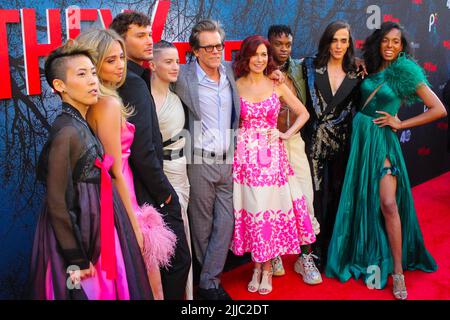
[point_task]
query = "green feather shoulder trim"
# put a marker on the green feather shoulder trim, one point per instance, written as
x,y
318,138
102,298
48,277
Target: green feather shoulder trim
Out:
x,y
405,76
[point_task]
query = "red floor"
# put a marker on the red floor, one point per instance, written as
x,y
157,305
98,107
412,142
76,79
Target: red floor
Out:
x,y
432,201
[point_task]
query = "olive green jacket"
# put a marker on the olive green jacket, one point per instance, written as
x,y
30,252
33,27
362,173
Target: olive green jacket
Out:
x,y
295,73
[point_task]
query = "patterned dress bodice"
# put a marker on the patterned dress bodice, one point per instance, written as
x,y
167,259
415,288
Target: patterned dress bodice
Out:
x,y
258,161
260,115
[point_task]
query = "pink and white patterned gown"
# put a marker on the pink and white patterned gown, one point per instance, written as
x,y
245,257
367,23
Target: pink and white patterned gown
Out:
x,y
271,215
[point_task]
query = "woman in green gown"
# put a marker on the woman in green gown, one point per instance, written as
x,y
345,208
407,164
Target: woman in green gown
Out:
x,y
376,231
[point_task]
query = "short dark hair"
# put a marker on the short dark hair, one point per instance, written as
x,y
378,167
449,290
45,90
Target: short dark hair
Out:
x,y
121,23
162,45
203,26
323,54
371,48
278,30
56,63
248,50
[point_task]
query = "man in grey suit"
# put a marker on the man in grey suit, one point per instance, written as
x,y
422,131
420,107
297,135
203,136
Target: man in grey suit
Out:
x,y
207,88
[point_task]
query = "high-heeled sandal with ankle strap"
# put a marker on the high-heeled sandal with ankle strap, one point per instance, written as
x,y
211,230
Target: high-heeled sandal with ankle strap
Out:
x,y
254,284
265,287
399,287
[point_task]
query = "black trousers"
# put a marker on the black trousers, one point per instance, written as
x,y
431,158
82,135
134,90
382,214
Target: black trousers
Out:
x,y
175,277
326,203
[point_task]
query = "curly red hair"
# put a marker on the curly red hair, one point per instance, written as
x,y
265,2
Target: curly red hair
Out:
x,y
248,50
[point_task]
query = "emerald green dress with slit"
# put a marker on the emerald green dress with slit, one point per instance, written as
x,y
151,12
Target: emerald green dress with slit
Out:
x,y
360,243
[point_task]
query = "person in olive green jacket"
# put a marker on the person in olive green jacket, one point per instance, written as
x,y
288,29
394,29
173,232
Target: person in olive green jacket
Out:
x,y
280,37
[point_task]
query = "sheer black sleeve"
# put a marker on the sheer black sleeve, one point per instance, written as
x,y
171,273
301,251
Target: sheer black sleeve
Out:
x,y
64,151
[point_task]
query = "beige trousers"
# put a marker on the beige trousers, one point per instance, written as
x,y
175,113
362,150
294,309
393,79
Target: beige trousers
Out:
x,y
295,148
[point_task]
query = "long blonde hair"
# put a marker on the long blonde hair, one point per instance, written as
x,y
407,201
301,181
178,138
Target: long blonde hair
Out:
x,y
101,41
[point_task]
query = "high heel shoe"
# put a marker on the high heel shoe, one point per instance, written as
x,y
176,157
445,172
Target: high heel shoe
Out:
x,y
399,287
254,284
265,286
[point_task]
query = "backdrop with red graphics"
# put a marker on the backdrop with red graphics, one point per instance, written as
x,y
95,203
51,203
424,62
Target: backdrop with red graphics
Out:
x,y
29,30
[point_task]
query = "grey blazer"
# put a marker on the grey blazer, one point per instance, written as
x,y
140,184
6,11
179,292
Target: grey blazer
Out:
x,y
187,89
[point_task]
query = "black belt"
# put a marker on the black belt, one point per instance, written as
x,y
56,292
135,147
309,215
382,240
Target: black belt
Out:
x,y
173,154
210,154
171,141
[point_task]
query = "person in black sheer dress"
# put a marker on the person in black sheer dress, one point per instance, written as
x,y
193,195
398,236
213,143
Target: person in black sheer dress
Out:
x,y
84,246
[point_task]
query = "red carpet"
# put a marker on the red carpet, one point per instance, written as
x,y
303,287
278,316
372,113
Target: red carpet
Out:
x,y
432,201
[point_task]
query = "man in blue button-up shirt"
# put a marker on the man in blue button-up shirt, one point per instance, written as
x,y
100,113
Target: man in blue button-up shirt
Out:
x,y
207,88
216,105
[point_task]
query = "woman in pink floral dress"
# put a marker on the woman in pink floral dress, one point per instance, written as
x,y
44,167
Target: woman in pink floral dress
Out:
x,y
271,216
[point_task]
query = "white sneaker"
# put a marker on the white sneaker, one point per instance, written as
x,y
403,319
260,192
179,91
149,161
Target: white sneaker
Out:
x,y
277,267
306,267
